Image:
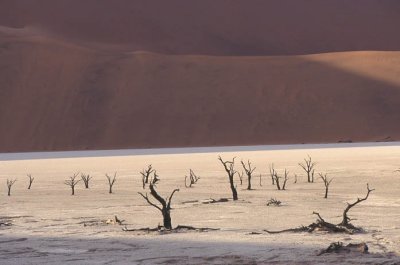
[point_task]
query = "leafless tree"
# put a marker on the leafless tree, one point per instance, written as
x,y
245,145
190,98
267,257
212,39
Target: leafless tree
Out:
x,y
86,179
193,178
249,171
277,178
272,173
111,181
229,168
321,225
10,183
146,174
327,182
295,178
260,180
346,219
240,175
165,208
72,181
285,179
308,167
30,181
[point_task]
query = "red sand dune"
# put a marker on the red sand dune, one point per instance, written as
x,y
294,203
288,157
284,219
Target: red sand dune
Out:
x,y
99,74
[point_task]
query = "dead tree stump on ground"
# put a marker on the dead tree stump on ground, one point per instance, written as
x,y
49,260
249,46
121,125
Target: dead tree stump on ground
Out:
x,y
321,225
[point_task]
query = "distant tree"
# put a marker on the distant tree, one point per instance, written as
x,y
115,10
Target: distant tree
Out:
x,y
229,168
30,181
10,183
86,179
327,182
308,166
111,181
72,181
193,178
249,171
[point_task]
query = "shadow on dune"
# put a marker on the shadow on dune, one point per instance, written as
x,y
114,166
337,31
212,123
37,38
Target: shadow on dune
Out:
x,y
58,97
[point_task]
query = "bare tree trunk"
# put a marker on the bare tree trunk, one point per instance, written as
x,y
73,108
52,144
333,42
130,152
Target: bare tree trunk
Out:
x,y
30,181
229,168
165,208
327,182
308,167
346,219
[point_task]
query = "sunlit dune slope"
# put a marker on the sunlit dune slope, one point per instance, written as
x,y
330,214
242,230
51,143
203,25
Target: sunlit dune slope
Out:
x,y
58,95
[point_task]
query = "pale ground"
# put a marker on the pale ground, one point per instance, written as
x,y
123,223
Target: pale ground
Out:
x,y
47,221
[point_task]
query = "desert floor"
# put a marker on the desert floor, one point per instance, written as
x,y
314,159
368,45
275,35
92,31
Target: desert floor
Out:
x,y
48,223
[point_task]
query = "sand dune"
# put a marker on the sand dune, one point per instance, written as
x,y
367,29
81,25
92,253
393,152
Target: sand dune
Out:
x,y
131,74
58,95
223,27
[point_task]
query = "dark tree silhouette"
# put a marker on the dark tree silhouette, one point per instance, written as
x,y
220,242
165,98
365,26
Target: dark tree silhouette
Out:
x,y
146,174
229,168
10,183
86,179
111,181
30,181
165,208
327,182
72,181
193,178
346,220
249,171
308,167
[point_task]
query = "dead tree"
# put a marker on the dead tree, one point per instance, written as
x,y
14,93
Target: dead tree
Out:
x,y
308,167
111,181
321,225
249,171
240,175
72,181
272,173
86,179
285,179
10,183
346,219
327,182
146,174
165,208
193,178
295,178
229,168
260,180
30,181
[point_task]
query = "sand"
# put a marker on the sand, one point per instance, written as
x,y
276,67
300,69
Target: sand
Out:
x,y
48,222
139,74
